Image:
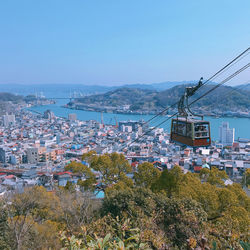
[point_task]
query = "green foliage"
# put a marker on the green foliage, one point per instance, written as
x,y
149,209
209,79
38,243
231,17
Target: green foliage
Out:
x,y
88,156
170,181
79,168
214,176
183,219
245,245
69,186
4,233
29,219
155,210
113,167
246,178
132,202
124,238
146,175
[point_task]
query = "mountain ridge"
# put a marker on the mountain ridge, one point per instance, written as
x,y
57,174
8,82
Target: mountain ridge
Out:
x,y
152,101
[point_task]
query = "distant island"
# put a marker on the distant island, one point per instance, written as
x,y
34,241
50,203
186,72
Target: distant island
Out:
x,y
224,101
27,100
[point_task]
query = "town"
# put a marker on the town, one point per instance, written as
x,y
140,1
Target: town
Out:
x,y
35,149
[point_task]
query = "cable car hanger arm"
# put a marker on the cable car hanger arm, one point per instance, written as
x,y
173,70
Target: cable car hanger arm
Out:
x,y
183,107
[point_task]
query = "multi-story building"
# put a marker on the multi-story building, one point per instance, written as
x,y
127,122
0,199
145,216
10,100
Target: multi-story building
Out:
x,y
135,125
226,134
8,120
32,155
48,114
5,154
45,154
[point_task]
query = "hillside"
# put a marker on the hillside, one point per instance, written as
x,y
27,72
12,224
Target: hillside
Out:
x,y
137,99
5,97
16,99
245,86
224,98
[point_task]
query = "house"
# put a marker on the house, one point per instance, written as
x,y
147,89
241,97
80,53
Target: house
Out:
x,y
63,178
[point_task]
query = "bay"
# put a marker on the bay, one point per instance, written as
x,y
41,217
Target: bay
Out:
x,y
241,125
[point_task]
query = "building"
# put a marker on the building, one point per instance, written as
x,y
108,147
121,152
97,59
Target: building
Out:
x,y
226,134
58,138
32,155
48,114
9,120
72,117
135,125
127,129
5,154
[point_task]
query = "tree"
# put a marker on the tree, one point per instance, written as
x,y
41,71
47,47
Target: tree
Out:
x,y
243,199
125,184
146,175
170,181
230,228
89,156
213,176
133,202
184,219
246,178
227,199
85,171
25,212
113,167
77,209
4,232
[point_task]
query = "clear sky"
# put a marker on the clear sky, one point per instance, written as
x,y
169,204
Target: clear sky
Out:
x,y
115,42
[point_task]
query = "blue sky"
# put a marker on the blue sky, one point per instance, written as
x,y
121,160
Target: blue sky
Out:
x,y
116,42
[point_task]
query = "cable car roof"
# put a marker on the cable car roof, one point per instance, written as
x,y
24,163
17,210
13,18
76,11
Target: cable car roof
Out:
x,y
192,120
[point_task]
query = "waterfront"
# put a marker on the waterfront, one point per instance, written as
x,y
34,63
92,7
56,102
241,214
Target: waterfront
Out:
x,y
241,125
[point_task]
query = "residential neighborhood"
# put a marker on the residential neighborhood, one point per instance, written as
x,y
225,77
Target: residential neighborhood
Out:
x,y
34,149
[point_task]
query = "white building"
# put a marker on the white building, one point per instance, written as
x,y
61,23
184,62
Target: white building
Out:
x,y
8,120
226,134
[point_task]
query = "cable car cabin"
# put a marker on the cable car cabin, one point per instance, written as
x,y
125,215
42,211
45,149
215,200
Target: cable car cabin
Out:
x,y
190,132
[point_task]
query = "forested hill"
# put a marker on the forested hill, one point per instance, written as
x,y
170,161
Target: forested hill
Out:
x,y
121,97
245,86
223,98
9,97
5,97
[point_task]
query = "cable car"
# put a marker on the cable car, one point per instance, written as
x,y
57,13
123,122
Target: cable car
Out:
x,y
191,132
186,129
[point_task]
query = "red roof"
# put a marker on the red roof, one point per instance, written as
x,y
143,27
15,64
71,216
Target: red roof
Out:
x,y
133,164
65,172
156,162
10,176
197,168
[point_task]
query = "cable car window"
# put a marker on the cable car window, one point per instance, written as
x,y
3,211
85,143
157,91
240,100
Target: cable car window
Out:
x,y
174,129
201,130
181,129
189,130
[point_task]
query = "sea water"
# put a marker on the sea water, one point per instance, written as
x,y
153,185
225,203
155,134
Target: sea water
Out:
x,y
241,125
